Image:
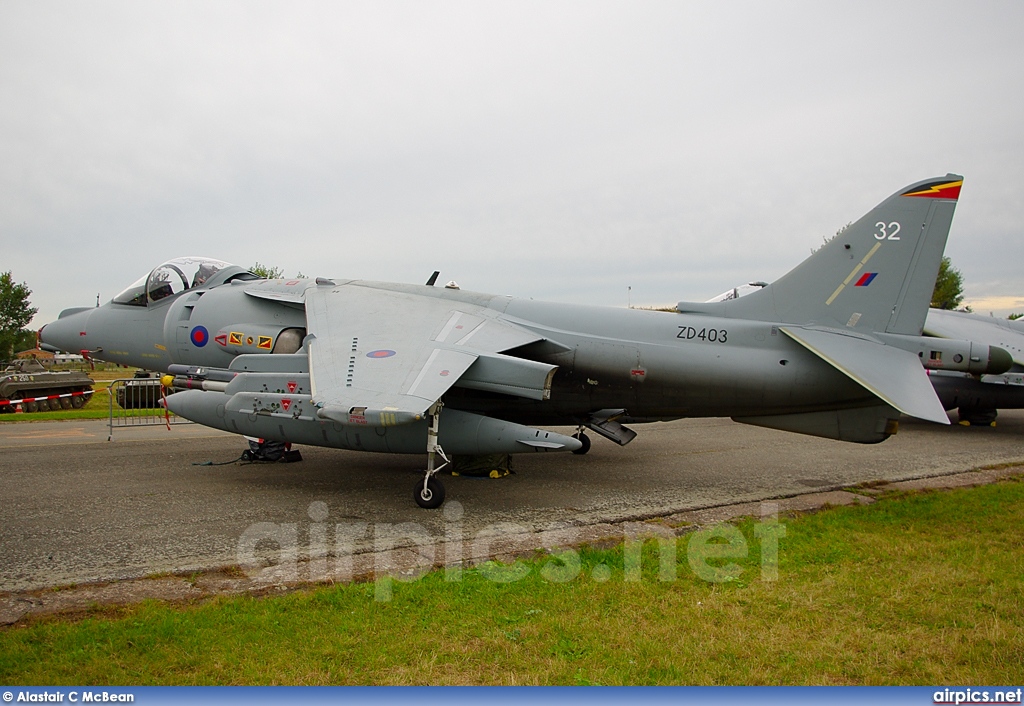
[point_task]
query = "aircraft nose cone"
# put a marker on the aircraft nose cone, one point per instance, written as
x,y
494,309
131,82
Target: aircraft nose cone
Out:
x,y
67,333
42,342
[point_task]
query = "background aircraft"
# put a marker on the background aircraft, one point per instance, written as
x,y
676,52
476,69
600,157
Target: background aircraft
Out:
x,y
831,349
978,398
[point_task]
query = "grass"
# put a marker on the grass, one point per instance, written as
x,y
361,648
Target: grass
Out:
x,y
915,589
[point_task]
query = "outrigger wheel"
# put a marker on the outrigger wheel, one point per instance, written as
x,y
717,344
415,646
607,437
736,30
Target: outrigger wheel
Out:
x,y
429,494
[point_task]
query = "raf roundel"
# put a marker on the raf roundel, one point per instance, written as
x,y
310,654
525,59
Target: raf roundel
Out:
x,y
200,336
383,353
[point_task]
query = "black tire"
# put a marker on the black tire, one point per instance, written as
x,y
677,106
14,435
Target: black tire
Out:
x,y
585,440
430,497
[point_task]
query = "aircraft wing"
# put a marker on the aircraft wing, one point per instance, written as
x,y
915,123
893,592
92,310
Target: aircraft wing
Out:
x,y
895,376
382,357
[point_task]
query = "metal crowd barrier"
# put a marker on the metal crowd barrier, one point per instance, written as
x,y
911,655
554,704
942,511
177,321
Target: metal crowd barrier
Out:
x,y
135,402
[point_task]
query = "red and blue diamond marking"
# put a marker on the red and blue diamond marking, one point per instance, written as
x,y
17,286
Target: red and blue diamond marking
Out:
x,y
383,353
200,336
866,279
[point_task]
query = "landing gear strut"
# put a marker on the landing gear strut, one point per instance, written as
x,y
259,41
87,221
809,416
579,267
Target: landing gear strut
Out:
x,y
430,493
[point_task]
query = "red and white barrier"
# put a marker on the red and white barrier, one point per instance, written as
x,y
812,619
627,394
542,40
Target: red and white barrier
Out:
x,y
48,397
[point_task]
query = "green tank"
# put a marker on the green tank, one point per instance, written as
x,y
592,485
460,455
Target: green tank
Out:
x,y
144,391
48,390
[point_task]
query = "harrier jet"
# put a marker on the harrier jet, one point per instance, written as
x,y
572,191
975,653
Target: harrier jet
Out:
x,y
979,397
832,349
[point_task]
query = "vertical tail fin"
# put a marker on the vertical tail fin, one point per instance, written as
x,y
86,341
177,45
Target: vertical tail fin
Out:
x,y
876,275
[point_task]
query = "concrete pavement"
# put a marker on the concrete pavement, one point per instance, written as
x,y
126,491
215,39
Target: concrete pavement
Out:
x,y
76,508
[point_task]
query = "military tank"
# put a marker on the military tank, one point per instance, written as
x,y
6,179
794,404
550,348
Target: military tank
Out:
x,y
144,391
48,390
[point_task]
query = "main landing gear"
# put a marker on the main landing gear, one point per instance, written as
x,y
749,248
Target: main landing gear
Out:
x,y
584,439
430,493
977,416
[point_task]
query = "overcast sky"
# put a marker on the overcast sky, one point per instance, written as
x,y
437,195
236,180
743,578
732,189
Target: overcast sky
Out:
x,y
555,150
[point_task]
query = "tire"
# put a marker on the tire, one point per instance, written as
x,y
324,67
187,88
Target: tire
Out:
x,y
585,440
430,497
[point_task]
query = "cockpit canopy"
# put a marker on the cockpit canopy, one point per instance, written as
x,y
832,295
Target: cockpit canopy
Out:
x,y
178,275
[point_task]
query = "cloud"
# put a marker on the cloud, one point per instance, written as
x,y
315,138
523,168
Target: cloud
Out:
x,y
559,151
1001,307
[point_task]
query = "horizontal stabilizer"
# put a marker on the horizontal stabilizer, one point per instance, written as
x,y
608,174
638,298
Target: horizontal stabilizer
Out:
x,y
893,375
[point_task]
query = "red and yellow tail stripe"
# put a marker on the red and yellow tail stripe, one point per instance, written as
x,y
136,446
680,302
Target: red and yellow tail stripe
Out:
x,y
937,190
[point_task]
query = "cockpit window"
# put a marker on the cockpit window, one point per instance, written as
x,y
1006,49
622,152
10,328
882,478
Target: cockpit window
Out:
x,y
172,277
135,294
